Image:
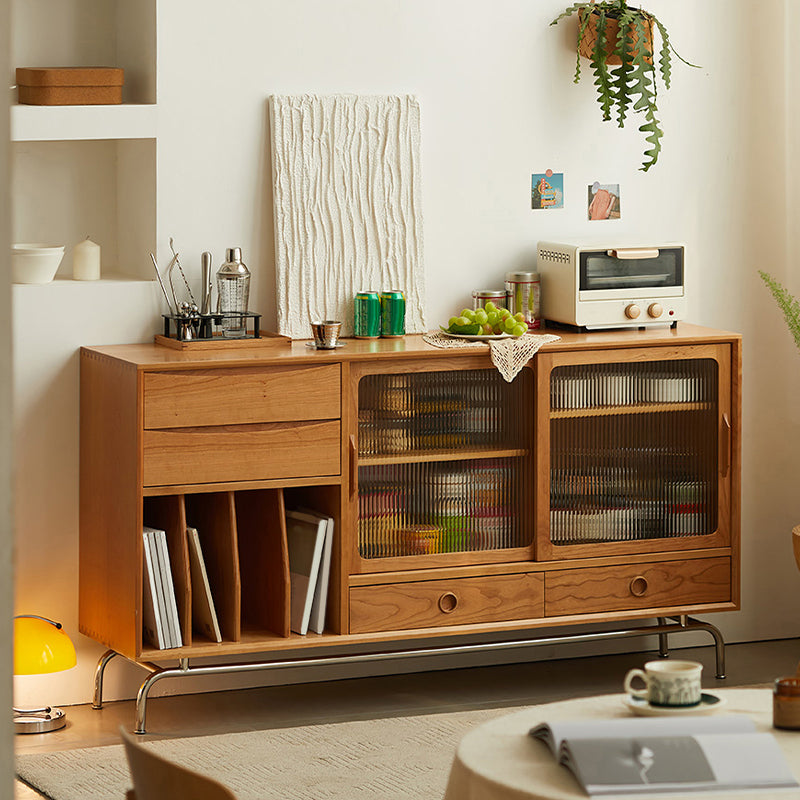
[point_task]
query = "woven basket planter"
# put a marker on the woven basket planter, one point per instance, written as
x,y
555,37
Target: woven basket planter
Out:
x,y
587,44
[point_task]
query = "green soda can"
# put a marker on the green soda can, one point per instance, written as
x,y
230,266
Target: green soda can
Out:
x,y
393,314
367,316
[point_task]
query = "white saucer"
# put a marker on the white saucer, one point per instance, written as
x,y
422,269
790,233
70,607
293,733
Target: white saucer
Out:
x,y
314,346
709,703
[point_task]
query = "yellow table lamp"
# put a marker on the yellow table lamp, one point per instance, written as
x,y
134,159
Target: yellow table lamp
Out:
x,y
40,646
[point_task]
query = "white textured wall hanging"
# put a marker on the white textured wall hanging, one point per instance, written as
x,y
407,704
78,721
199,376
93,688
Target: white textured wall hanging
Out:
x,y
348,216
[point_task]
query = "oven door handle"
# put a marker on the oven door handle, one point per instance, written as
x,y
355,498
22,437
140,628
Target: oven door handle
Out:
x,y
634,252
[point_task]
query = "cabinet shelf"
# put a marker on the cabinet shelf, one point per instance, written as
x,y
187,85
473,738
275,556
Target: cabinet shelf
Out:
x,y
441,455
639,408
74,123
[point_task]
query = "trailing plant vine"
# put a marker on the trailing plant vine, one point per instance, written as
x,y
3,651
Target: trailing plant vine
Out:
x,y
788,304
630,85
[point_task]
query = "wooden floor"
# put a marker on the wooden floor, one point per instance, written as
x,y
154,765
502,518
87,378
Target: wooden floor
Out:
x,y
396,695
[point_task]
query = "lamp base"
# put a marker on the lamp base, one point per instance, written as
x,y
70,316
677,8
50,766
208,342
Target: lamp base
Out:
x,y
38,720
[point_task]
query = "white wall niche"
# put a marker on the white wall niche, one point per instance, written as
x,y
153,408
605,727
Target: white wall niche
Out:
x,y
99,33
65,191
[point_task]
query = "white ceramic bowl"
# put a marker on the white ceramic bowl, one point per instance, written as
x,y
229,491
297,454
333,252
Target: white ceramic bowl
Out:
x,y
35,263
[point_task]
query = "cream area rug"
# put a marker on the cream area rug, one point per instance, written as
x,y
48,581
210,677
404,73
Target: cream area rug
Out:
x,y
383,759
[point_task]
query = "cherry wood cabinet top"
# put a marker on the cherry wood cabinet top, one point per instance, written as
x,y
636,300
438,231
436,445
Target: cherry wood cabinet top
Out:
x,y
277,350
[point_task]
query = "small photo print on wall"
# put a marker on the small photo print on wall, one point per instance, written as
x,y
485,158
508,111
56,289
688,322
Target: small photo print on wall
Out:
x,y
547,189
604,201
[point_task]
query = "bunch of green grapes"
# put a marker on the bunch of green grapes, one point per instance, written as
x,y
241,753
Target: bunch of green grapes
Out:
x,y
489,320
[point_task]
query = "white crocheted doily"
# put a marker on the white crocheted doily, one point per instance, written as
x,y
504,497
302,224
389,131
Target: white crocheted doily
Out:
x,y
508,355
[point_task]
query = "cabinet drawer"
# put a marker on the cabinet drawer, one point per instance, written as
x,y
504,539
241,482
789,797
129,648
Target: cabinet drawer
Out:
x,y
181,456
425,604
632,586
241,396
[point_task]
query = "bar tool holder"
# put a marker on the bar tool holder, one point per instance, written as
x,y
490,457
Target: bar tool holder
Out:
x,y
200,327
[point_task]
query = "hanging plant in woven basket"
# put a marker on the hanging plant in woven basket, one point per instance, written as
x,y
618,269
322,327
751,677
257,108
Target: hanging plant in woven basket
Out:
x,y
619,42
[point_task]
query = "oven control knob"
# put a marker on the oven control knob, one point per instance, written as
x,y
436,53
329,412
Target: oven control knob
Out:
x,y
655,310
632,311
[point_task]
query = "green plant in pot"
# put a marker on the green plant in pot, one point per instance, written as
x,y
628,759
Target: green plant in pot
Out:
x,y
619,41
788,304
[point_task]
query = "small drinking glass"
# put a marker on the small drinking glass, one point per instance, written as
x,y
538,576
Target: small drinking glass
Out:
x,y
326,333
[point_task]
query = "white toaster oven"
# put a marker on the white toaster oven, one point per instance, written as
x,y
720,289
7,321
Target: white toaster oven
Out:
x,y
612,287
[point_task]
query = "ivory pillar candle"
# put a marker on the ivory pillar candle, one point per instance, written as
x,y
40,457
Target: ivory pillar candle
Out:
x,y
86,261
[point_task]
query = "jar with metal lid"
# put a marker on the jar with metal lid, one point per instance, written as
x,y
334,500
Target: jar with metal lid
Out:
x,y
523,292
481,296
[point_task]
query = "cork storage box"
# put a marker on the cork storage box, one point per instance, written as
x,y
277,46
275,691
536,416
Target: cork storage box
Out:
x,y
69,86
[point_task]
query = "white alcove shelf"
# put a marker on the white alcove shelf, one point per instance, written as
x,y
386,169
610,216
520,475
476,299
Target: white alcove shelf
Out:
x,y
105,189
81,171
64,123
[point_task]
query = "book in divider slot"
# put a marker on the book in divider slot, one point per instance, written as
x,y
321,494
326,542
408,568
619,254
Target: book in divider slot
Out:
x,y
204,612
687,754
169,607
305,535
160,597
151,612
320,603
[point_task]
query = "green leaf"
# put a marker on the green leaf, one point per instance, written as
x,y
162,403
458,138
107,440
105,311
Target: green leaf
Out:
x,y
600,68
667,43
620,75
665,60
653,127
581,32
788,304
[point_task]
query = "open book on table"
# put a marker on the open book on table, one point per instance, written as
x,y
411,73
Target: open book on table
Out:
x,y
667,754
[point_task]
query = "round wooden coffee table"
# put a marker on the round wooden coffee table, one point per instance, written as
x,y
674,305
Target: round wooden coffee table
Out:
x,y
500,761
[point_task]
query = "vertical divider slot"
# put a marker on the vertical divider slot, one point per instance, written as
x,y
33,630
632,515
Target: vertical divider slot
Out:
x,y
264,560
324,500
168,513
214,517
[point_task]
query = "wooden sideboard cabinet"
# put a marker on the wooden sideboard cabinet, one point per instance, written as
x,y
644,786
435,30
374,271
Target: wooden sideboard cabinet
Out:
x,y
601,485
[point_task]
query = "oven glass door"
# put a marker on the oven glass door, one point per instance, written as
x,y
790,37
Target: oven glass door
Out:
x,y
643,269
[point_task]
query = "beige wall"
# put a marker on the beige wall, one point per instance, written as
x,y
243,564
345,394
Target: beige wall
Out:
x,y
498,103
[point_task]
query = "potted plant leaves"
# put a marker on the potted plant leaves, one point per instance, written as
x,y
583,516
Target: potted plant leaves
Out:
x,y
787,303
619,41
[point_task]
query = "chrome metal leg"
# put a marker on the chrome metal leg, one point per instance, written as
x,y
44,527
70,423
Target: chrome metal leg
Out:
x,y
663,639
662,628
719,642
97,700
141,697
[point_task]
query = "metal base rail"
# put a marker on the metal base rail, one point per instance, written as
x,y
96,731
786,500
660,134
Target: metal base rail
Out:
x,y
662,629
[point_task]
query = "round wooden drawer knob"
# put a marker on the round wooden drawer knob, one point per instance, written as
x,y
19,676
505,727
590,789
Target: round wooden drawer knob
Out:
x,y
638,586
448,602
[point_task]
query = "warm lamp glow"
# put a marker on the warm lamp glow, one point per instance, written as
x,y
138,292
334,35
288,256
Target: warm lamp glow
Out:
x,y
41,646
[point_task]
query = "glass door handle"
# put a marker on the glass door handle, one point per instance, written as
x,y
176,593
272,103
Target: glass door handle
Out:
x,y
725,442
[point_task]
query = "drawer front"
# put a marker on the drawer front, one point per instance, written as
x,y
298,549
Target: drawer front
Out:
x,y
632,586
425,604
240,396
241,453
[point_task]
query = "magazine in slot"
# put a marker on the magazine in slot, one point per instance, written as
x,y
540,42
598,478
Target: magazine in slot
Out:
x,y
204,612
305,536
168,514
213,516
152,625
